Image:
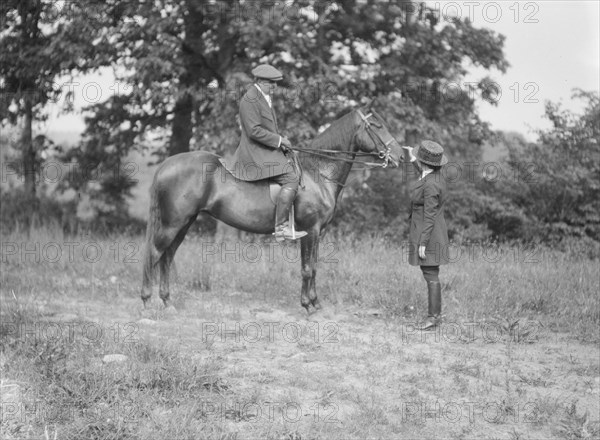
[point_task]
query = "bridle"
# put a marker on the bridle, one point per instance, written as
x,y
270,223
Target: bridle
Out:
x,y
383,153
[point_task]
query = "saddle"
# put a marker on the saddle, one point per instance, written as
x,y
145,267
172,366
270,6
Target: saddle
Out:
x,y
274,189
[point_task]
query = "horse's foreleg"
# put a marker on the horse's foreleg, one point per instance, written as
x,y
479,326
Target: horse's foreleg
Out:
x,y
309,254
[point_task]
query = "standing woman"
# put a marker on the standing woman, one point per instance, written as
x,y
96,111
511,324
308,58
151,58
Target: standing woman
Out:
x,y
428,238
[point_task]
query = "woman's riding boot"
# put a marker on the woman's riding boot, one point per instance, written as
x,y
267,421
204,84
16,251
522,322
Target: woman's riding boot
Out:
x,y
285,200
434,308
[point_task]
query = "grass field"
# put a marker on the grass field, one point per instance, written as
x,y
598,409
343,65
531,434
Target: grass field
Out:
x,y
517,356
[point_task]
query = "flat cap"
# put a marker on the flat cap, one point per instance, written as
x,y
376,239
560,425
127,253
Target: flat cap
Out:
x,y
266,71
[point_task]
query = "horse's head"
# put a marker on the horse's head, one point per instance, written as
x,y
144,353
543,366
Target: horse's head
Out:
x,y
375,138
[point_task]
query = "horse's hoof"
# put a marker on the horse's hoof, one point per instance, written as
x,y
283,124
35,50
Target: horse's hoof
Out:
x,y
146,308
147,313
317,304
170,310
310,309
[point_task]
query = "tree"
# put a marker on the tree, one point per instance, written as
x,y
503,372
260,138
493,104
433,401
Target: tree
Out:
x,y
188,62
168,52
558,178
41,40
183,65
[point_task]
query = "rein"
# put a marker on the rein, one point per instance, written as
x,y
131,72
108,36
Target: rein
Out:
x,y
383,155
321,153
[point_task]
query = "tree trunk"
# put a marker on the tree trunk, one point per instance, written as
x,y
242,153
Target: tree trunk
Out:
x,y
200,69
192,54
182,125
28,153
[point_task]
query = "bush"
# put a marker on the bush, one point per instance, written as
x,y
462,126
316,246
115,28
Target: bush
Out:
x,y
21,210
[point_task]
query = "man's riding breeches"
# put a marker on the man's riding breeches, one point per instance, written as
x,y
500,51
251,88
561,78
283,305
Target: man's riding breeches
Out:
x,y
289,179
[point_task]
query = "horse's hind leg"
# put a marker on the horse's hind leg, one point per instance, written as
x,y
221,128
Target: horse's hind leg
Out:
x,y
167,258
148,275
158,243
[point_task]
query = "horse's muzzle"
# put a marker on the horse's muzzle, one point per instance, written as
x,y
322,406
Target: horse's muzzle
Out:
x,y
395,155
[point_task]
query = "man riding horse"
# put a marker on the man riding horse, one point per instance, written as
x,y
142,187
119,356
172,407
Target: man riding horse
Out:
x,y
261,153
195,182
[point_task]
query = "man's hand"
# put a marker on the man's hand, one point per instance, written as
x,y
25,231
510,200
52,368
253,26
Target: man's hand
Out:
x,y
286,145
422,252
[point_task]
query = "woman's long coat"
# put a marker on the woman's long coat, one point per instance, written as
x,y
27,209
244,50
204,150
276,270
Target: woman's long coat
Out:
x,y
427,222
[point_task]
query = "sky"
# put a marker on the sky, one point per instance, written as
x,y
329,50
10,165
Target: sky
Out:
x,y
552,47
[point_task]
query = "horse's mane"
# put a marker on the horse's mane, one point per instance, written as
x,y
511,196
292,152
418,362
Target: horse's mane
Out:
x,y
335,137
338,134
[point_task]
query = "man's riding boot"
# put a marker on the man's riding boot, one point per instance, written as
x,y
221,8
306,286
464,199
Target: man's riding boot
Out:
x,y
283,231
434,308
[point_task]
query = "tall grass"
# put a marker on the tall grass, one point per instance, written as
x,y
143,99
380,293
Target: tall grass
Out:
x,y
501,283
491,281
162,392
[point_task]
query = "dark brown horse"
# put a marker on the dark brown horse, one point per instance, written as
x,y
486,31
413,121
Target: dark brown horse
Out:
x,y
189,183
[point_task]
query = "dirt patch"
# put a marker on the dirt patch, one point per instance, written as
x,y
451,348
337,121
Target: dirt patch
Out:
x,y
353,371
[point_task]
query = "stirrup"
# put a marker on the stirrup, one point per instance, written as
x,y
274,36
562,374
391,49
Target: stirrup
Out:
x,y
284,232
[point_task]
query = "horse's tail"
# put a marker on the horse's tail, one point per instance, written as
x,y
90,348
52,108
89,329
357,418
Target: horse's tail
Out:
x,y
152,228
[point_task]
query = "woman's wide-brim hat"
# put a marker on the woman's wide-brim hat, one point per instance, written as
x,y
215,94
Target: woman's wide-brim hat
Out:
x,y
431,153
266,71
